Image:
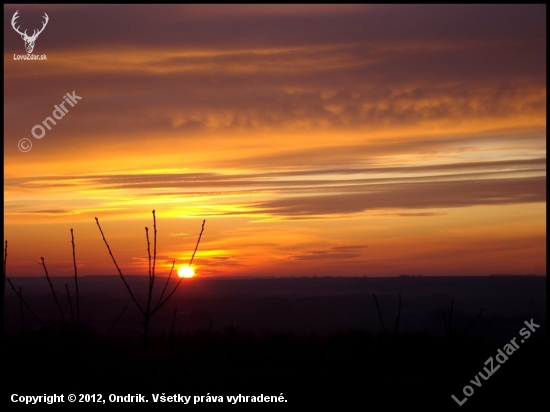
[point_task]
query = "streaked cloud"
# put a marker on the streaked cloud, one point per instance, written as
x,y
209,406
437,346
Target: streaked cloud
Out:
x,y
284,122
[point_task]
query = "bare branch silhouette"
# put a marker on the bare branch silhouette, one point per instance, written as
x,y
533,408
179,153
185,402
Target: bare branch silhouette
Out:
x,y
148,253
119,271
396,327
70,301
117,319
166,284
179,281
154,245
149,310
25,303
473,321
76,282
53,291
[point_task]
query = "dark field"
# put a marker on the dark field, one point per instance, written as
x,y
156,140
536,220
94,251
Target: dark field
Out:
x,y
318,341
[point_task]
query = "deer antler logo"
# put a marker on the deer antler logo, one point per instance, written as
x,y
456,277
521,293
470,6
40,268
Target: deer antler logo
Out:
x,y
29,40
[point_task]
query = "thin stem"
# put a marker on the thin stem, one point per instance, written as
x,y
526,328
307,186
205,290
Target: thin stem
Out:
x,y
155,245
179,281
473,321
148,253
76,283
147,313
5,258
70,301
396,327
119,271
167,280
197,245
117,319
24,303
53,291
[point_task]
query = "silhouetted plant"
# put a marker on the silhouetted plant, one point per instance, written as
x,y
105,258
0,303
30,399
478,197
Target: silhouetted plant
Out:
x,y
397,319
166,284
75,282
20,296
473,321
116,321
149,310
448,324
53,291
70,301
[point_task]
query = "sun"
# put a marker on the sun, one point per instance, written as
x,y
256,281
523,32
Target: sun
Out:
x,y
186,272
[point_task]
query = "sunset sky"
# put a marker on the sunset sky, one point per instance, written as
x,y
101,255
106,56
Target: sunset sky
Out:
x,y
316,140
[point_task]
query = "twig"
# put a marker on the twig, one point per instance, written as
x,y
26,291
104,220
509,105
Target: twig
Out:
x,y
117,319
396,327
167,280
155,245
119,271
148,253
5,258
197,245
24,303
148,313
473,321
53,291
76,283
379,314
70,301
179,281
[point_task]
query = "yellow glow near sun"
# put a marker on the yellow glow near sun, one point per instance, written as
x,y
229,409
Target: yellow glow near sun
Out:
x,y
186,272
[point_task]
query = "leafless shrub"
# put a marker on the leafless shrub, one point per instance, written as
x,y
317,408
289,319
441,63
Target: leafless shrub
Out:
x,y
149,309
397,319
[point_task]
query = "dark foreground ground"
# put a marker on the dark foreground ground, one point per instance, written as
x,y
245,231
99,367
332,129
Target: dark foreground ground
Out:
x,y
318,342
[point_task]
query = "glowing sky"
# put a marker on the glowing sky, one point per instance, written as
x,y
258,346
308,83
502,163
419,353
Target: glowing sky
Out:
x,y
328,140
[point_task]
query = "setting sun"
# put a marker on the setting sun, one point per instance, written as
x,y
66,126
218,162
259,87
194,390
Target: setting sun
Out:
x,y
186,272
